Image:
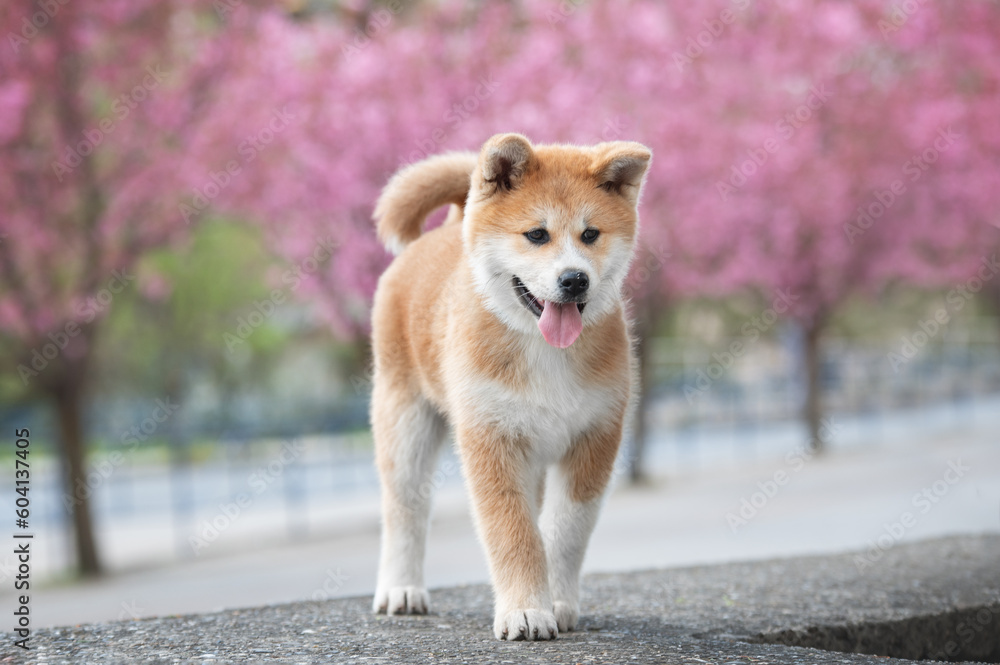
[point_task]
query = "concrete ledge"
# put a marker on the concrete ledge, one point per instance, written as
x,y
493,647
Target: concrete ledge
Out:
x,y
922,600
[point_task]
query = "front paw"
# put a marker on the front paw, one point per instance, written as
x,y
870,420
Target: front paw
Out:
x,y
401,600
525,625
566,615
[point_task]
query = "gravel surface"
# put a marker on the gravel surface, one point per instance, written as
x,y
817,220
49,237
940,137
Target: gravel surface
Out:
x,y
913,601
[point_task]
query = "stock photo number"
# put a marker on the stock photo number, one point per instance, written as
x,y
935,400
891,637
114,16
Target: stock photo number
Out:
x,y
22,539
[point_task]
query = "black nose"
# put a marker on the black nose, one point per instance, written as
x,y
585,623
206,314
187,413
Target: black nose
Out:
x,y
574,283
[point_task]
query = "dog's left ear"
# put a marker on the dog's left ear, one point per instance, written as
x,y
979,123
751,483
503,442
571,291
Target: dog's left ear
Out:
x,y
620,168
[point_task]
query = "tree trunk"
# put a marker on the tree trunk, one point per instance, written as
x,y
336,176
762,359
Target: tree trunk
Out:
x,y
642,329
68,398
993,291
813,408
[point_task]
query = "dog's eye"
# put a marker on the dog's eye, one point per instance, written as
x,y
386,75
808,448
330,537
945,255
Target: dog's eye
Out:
x,y
537,236
590,235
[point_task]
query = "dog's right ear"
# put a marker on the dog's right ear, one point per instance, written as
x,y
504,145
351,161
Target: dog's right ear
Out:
x,y
503,163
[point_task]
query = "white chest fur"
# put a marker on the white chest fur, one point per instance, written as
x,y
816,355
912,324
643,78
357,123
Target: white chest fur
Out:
x,y
550,408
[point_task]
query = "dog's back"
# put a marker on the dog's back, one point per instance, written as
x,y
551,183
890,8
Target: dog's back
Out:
x,y
408,320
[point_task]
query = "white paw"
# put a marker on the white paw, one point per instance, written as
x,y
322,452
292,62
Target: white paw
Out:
x,y
525,625
401,600
566,615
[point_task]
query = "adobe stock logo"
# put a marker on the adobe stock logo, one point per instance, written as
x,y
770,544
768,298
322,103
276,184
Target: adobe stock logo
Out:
x,y
751,330
741,172
102,470
378,22
923,501
85,312
714,27
913,169
954,302
259,482
266,308
38,20
121,107
453,118
750,506
897,18
248,149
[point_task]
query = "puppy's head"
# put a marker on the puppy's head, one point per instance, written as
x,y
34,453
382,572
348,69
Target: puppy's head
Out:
x,y
550,231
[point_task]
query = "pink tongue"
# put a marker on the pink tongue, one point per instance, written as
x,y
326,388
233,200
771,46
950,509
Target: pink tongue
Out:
x,y
560,323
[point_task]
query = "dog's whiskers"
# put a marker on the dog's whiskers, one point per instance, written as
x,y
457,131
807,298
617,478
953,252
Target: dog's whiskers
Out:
x,y
492,279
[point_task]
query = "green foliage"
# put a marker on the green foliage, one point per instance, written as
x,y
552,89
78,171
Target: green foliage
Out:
x,y
172,326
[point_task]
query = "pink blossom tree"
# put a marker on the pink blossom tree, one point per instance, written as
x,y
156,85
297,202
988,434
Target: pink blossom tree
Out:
x,y
778,130
789,138
858,156
101,105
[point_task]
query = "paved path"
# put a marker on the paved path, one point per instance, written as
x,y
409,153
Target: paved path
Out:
x,y
853,498
929,600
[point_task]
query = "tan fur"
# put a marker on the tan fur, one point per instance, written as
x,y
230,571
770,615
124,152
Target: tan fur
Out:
x,y
590,461
416,191
495,466
440,342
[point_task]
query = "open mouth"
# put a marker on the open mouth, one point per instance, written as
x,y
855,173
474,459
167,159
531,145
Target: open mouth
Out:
x,y
533,304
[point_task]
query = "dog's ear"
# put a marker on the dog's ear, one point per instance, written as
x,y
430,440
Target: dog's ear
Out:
x,y
620,168
504,161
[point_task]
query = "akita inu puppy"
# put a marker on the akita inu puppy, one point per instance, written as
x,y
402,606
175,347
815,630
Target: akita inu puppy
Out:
x,y
505,325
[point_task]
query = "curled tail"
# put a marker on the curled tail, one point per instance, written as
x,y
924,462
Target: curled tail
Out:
x,y
416,191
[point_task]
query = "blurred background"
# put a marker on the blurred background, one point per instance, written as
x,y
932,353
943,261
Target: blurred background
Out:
x,y
187,262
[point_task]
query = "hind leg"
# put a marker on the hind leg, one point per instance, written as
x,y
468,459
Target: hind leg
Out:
x,y
408,435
